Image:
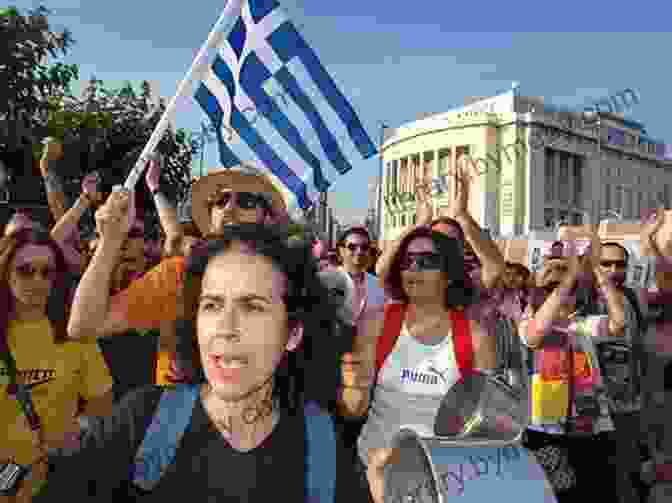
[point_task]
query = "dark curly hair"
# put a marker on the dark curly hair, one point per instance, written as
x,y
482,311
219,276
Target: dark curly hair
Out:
x,y
312,372
459,293
57,306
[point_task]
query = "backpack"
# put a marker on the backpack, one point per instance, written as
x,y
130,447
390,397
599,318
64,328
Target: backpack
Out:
x,y
173,415
634,348
393,319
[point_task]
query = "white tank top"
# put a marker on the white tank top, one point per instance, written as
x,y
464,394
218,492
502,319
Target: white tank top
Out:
x,y
409,389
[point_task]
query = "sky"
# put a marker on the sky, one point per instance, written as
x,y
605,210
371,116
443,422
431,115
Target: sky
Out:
x,y
396,61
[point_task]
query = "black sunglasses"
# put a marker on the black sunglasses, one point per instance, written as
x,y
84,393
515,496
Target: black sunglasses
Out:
x,y
423,261
352,247
244,200
28,270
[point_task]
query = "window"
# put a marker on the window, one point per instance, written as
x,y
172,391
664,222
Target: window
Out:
x,y
549,217
414,217
428,172
415,171
577,175
563,178
607,197
549,176
629,206
640,203
577,219
444,161
618,198
393,187
666,195
403,220
564,216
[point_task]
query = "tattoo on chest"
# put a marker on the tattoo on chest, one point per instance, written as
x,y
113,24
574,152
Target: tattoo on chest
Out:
x,y
254,412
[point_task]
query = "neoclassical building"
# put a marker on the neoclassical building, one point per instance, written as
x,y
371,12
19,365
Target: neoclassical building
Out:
x,y
532,165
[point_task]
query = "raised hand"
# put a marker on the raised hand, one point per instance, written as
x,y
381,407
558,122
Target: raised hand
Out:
x,y
90,187
424,207
53,149
113,219
656,234
459,202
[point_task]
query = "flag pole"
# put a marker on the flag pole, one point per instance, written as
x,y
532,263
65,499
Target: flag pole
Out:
x,y
220,30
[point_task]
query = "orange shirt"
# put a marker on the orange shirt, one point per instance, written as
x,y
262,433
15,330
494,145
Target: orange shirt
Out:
x,y
153,298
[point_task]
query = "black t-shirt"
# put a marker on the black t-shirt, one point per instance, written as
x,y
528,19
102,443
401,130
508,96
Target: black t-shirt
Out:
x,y
205,467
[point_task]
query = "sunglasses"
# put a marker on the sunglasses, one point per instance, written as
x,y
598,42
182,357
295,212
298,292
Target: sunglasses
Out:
x,y
621,264
352,247
422,261
27,270
244,200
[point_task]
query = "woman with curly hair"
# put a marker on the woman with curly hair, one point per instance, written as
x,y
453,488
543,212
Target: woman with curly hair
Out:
x,y
37,358
258,326
406,360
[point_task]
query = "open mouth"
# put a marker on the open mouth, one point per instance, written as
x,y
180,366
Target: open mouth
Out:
x,y
229,362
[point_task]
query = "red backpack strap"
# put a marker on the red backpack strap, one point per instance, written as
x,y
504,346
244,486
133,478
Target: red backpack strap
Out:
x,y
393,318
462,343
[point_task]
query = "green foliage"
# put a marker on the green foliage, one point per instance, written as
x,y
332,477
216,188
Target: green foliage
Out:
x,y
26,80
106,129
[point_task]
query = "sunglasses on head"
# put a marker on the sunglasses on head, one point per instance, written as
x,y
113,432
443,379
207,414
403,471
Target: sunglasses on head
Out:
x,y
244,200
352,247
427,261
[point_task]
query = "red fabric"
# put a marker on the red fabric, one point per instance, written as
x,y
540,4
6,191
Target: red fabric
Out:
x,y
664,472
393,318
462,343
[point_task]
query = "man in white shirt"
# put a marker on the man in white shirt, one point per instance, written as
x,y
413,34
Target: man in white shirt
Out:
x,y
355,254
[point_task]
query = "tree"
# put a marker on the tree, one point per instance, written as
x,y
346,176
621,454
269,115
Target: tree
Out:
x,y
106,130
26,81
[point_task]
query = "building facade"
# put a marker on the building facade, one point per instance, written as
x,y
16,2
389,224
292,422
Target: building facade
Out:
x,y
532,166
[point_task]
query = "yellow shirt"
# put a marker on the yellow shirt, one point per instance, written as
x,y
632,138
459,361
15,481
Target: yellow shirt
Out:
x,y
58,375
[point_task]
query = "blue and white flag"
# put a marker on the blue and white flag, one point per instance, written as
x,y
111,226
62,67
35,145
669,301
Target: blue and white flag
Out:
x,y
267,88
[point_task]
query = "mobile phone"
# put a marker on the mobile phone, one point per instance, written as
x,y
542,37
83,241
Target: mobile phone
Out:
x,y
11,476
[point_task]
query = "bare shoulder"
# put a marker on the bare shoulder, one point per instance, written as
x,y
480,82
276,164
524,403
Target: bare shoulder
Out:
x,y
477,328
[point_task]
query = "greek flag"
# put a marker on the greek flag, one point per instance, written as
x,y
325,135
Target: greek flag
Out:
x,y
268,92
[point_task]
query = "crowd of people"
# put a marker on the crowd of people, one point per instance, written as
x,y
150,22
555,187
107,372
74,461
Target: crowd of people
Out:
x,y
230,357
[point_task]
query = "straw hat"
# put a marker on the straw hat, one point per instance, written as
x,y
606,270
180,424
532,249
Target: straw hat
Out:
x,y
241,178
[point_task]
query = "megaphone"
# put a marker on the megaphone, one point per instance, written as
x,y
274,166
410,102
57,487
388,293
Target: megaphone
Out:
x,y
480,409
